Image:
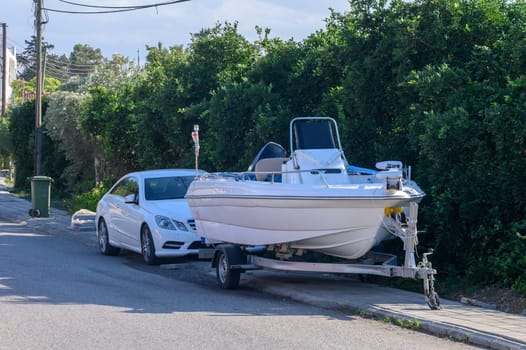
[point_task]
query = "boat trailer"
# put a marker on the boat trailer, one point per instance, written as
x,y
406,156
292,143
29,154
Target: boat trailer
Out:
x,y
230,260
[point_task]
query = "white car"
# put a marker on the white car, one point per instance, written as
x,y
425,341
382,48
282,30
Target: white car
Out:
x,y
146,212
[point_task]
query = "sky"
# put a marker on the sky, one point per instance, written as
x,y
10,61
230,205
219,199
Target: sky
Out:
x,y
128,33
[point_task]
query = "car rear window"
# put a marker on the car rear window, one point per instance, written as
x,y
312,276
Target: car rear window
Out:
x,y
172,187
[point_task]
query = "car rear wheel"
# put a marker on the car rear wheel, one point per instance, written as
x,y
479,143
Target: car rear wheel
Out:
x,y
147,246
104,240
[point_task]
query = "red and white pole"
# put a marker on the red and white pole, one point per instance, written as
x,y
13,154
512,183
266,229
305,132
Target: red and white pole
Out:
x,y
195,137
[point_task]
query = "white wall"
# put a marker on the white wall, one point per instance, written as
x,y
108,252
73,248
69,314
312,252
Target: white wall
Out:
x,y
10,74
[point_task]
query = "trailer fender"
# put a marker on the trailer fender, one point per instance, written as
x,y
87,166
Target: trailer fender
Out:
x,y
234,253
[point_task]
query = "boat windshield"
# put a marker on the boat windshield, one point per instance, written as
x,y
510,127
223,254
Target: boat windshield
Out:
x,y
160,188
314,133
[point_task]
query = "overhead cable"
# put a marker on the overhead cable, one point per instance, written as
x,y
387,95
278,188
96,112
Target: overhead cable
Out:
x,y
112,9
134,7
69,64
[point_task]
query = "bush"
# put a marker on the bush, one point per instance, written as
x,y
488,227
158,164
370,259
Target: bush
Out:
x,y
508,264
87,200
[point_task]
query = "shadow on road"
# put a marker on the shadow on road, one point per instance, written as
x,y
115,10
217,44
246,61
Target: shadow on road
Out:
x,y
43,261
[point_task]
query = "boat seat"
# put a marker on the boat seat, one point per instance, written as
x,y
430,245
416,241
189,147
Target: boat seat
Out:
x,y
267,166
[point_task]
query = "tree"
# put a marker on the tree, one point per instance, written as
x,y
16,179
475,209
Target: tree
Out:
x,y
176,89
108,117
22,130
242,117
27,59
83,59
161,142
5,144
21,127
109,120
63,127
467,126
215,55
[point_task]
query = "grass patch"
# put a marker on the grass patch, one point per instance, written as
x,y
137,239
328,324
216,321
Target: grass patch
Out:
x,y
412,324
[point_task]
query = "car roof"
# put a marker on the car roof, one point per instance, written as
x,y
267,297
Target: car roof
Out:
x,y
163,172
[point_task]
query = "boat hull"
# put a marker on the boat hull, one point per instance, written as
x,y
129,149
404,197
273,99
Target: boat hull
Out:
x,y
343,221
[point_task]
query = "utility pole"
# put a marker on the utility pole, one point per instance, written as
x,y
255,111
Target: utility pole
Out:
x,y
38,97
4,69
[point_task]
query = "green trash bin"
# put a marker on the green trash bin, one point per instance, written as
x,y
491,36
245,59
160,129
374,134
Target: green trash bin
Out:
x,y
40,196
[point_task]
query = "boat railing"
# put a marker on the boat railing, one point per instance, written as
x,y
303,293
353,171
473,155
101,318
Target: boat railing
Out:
x,y
360,175
268,176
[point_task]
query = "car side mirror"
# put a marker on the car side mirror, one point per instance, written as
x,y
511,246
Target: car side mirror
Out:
x,y
131,199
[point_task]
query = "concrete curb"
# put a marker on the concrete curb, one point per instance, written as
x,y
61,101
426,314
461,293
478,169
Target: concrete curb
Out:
x,y
455,332
440,329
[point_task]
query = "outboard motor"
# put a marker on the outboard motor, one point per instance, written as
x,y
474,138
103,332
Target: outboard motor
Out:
x,y
270,150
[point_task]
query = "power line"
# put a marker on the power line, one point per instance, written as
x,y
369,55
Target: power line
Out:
x,y
55,73
78,65
122,7
64,67
14,43
58,62
86,13
114,9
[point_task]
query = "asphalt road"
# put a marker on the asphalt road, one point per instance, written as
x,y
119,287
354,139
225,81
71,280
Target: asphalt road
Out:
x,y
58,292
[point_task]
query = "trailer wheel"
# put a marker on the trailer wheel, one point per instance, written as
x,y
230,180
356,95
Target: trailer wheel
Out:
x,y
226,277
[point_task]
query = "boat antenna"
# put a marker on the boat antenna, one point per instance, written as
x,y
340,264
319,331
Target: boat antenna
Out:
x,y
195,137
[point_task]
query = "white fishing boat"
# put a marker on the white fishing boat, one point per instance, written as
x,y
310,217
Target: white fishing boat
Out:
x,y
311,200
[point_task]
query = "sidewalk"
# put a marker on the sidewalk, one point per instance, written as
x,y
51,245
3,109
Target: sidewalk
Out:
x,y
12,208
482,327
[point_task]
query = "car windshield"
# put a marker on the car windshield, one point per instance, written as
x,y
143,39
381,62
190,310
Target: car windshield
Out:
x,y
172,187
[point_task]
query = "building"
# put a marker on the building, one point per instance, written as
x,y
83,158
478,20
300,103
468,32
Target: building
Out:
x,y
10,75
